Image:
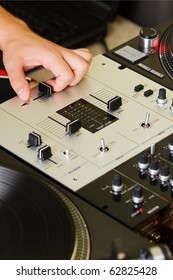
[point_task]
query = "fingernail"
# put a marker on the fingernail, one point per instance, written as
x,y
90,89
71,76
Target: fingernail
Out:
x,y
23,94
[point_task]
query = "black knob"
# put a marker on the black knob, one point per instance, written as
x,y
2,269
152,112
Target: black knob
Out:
x,y
171,181
164,171
117,184
154,167
44,153
171,107
171,140
162,96
143,161
164,174
170,145
137,196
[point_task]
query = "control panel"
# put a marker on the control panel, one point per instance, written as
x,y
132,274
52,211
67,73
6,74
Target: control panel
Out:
x,y
88,129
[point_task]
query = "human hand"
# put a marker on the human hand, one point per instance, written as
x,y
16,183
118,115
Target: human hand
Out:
x,y
24,50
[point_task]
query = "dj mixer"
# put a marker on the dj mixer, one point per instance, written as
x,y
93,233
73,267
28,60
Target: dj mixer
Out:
x,y
104,147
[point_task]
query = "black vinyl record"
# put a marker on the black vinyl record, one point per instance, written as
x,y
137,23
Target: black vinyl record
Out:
x,y
37,221
166,51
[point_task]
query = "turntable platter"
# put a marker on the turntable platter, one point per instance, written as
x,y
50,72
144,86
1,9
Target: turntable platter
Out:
x,y
37,221
166,51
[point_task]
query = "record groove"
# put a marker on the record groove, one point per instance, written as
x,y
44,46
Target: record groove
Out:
x,y
38,221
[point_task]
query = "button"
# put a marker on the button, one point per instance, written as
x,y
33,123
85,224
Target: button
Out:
x,y
138,87
148,92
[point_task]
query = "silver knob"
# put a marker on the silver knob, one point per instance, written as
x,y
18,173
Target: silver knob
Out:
x,y
149,39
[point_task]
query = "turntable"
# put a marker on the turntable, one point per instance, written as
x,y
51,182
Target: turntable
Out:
x,y
38,221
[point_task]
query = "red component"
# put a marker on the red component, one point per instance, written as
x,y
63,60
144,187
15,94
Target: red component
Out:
x,y
3,73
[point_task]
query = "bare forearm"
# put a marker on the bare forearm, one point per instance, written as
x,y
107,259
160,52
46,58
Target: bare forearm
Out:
x,y
9,27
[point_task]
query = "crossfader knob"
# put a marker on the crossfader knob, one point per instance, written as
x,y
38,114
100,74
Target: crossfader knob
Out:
x,y
34,139
44,153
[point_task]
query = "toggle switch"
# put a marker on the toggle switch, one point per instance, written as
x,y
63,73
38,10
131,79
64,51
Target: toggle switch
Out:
x,y
103,147
146,123
67,153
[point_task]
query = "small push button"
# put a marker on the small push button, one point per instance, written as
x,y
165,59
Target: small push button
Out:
x,y
138,88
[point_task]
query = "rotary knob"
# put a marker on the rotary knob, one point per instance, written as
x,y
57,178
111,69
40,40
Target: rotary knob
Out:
x,y
117,184
161,99
164,174
143,161
143,164
154,168
149,39
137,197
170,145
171,107
171,181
